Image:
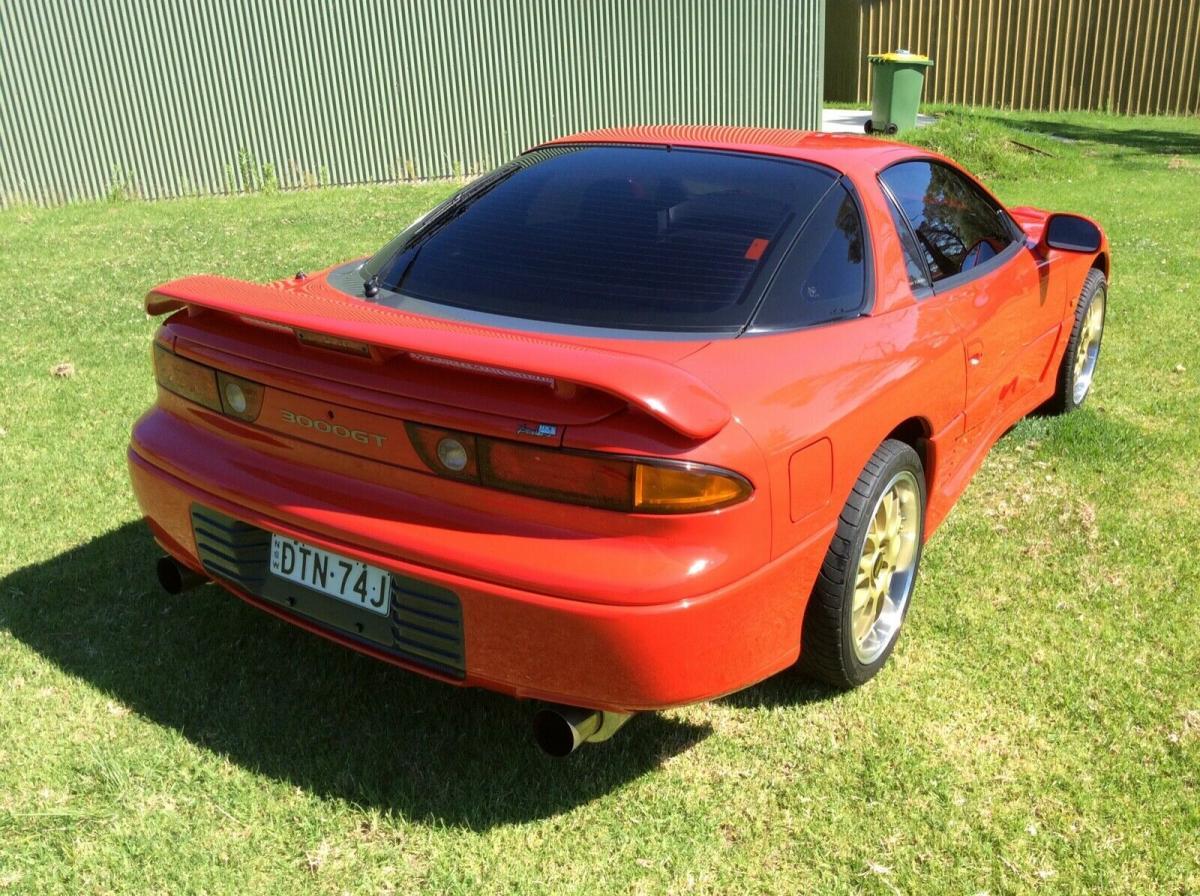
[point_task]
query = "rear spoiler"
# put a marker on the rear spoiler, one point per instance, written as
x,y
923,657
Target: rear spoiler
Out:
x,y
666,392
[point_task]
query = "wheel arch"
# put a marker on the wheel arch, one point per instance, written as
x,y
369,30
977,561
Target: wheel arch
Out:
x,y
916,432
1101,263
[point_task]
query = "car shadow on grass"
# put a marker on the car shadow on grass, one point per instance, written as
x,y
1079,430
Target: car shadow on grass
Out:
x,y
284,703
787,688
1155,142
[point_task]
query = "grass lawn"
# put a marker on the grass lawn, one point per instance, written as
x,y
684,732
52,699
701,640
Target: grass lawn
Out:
x,y
1038,729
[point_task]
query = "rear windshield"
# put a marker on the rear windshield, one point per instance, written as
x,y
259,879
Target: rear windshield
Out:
x,y
608,236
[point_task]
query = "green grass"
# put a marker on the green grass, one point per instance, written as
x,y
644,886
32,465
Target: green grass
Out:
x,y
1037,731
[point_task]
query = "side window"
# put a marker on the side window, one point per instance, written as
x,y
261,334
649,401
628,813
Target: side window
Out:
x,y
823,276
917,278
957,226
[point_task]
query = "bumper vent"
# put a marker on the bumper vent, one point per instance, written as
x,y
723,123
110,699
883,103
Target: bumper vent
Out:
x,y
424,627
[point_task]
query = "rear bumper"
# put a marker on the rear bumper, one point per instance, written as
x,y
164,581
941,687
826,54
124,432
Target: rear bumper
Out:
x,y
529,644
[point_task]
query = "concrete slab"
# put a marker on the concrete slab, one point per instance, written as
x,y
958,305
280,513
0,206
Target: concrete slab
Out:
x,y
851,121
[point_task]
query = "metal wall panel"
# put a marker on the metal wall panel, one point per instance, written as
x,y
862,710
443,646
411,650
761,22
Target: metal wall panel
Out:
x,y
160,98
1128,56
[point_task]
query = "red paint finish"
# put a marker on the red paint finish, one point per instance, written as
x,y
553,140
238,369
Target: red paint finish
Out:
x,y
576,604
810,474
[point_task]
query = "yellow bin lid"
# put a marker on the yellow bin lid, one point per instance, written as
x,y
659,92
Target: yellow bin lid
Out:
x,y
900,56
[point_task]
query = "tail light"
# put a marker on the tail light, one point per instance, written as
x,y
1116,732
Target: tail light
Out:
x,y
217,391
611,482
589,478
560,476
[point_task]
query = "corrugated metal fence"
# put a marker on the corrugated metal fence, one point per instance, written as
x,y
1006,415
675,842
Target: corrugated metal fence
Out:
x,y
160,98
1130,56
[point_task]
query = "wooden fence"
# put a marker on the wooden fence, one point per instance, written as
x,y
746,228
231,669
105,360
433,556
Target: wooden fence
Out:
x,y
1129,56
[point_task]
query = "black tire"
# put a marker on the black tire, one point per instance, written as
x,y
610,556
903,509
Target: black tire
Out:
x,y
892,128
1065,399
827,648
867,127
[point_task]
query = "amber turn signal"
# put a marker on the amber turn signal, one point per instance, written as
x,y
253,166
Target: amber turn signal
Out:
x,y
678,488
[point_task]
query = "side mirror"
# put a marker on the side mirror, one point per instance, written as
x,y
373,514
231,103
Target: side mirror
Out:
x,y
1071,233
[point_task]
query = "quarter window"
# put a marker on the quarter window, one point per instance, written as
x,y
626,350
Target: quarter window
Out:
x,y
957,226
823,277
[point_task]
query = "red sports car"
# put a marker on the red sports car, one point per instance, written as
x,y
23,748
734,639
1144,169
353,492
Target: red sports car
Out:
x,y
636,420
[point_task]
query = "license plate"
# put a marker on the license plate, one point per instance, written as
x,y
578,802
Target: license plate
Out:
x,y
352,581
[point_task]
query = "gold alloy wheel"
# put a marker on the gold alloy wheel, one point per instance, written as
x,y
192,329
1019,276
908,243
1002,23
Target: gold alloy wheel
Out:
x,y
1089,347
886,568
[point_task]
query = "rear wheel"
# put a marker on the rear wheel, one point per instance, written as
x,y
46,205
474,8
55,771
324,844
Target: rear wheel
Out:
x,y
862,593
1078,368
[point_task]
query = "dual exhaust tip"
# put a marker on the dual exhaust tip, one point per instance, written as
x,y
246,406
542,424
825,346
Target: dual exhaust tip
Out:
x,y
558,730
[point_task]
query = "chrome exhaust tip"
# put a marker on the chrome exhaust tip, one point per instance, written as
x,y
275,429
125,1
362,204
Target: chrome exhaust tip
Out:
x,y
561,730
175,578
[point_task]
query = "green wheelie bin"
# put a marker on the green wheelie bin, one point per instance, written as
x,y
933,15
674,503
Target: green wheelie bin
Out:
x,y
896,90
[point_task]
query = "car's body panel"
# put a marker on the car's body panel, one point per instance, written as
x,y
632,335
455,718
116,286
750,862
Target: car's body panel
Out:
x,y
583,605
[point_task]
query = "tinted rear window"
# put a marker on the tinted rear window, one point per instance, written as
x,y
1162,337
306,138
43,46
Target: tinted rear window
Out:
x,y
610,236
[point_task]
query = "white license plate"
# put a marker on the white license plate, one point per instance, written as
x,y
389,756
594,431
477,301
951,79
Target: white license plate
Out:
x,y
352,581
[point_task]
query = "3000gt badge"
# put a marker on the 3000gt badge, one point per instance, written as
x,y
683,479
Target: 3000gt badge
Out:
x,y
358,435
